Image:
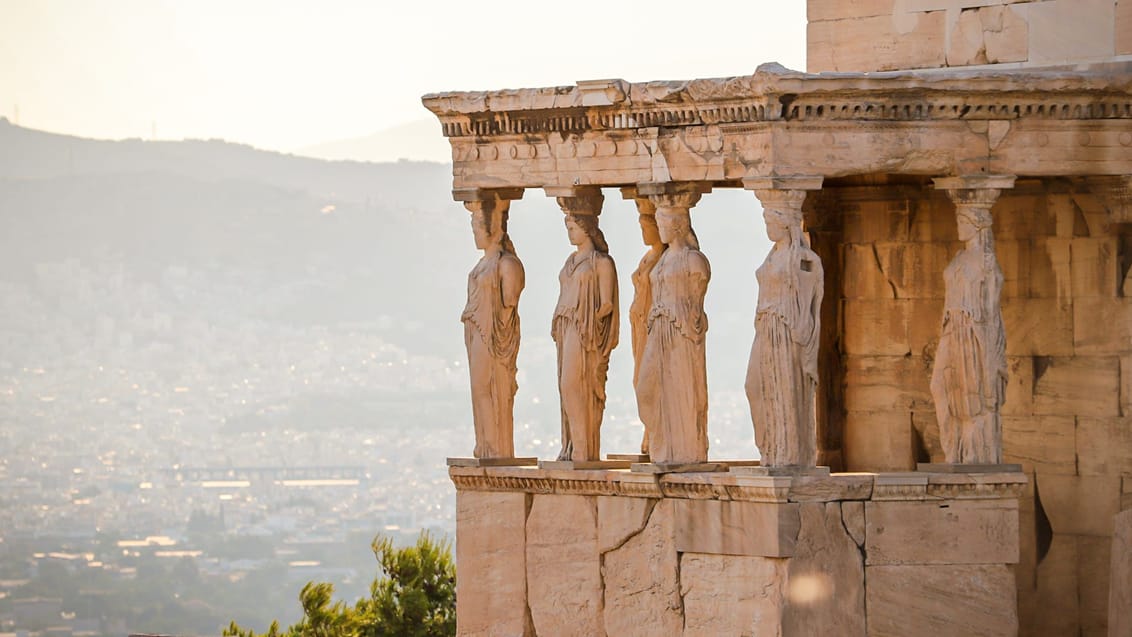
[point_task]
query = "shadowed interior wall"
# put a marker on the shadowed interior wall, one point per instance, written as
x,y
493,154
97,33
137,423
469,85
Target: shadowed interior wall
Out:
x,y
1068,413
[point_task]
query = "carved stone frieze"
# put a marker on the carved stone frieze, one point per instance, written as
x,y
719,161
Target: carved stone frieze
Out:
x,y
728,487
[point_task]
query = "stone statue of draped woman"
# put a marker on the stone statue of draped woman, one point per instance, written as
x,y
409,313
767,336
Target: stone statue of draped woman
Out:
x,y
491,331
782,375
584,328
672,380
642,302
969,375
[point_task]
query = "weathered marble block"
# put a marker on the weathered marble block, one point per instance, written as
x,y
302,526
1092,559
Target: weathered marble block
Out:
x,y
611,552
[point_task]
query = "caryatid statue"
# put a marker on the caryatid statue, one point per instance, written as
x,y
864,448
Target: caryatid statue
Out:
x,y
782,375
672,379
491,329
642,290
969,375
584,327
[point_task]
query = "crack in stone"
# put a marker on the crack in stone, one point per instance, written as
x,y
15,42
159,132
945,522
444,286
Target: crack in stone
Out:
x,y
880,267
652,502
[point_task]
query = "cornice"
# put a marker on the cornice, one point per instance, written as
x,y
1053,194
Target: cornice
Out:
x,y
776,94
726,486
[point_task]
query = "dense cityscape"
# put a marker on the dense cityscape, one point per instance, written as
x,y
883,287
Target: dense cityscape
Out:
x,y
198,416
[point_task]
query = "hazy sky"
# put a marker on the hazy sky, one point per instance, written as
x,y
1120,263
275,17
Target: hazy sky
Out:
x,y
283,74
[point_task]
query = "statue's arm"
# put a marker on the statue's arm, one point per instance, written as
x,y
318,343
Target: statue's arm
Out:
x,y
512,280
607,286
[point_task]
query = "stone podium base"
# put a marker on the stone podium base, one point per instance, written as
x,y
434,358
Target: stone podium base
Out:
x,y
546,552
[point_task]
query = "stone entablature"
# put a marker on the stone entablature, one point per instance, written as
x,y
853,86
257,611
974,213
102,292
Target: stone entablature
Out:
x,y
781,122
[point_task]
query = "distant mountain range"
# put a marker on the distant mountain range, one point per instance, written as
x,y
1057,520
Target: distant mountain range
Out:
x,y
306,241
416,140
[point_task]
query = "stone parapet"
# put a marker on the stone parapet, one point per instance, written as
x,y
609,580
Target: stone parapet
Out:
x,y
615,552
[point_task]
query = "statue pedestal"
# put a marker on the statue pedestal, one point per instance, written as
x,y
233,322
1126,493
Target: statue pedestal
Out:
x,y
727,553
780,471
631,457
944,467
492,462
583,465
677,467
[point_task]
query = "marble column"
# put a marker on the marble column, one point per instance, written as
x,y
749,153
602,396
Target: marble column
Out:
x,y
968,383
491,321
585,324
782,373
672,378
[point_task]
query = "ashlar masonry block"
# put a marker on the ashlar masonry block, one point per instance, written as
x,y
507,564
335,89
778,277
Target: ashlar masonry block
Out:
x,y
1087,386
879,441
1102,326
1094,555
952,599
1079,505
1123,43
948,532
491,542
763,529
1104,446
732,595
564,586
1120,579
1038,326
871,44
1041,443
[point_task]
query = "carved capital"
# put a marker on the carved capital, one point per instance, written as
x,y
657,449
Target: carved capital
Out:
x,y
468,195
645,206
1116,194
787,201
976,191
577,200
488,206
674,195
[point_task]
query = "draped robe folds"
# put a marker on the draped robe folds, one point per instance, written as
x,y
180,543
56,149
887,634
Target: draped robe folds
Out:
x,y
782,373
638,323
969,373
584,343
491,335
672,385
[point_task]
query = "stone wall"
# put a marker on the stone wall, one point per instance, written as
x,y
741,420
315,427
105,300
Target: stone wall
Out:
x,y
1067,306
545,552
885,35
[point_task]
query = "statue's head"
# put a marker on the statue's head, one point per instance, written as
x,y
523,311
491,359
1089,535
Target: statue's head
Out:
x,y
649,232
782,223
489,224
972,221
673,223
584,227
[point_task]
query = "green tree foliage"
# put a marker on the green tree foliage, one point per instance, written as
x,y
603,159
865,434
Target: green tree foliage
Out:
x,y
415,597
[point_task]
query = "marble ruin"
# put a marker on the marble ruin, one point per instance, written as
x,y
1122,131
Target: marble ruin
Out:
x,y
944,322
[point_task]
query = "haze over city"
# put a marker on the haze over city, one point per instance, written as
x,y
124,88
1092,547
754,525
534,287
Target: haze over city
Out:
x,y
226,362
